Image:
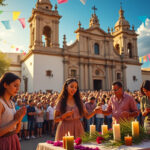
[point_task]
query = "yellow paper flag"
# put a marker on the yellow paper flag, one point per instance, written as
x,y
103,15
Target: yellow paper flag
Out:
x,y
12,46
16,15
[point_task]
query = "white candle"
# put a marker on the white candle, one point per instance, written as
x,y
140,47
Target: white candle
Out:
x,y
116,132
104,129
92,129
135,128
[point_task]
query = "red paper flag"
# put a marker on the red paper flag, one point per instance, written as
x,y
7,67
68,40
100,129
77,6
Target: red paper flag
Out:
x,y
62,1
144,58
22,21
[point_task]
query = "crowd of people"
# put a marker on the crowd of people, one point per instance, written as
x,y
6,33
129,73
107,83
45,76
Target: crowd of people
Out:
x,y
70,110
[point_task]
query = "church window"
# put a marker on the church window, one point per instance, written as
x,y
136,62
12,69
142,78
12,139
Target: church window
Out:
x,y
49,73
117,47
73,73
130,50
96,49
46,7
118,76
134,78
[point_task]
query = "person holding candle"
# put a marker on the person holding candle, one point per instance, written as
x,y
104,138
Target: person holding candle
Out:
x,y
121,105
69,110
145,103
10,120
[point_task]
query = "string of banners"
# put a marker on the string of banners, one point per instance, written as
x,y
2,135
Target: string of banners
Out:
x,y
12,46
144,59
15,16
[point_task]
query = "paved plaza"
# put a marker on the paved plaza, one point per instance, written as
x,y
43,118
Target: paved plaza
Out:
x,y
32,143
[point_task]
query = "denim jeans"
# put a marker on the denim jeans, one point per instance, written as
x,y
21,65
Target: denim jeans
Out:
x,y
109,122
89,122
99,122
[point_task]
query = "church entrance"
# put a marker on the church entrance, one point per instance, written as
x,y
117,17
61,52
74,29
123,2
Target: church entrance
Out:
x,y
97,84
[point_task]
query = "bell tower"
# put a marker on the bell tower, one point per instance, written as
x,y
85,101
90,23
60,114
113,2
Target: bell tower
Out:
x,y
44,26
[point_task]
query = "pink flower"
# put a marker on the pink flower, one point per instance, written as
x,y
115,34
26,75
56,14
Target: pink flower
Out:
x,y
78,141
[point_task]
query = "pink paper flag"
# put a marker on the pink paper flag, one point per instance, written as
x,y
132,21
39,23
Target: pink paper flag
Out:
x,y
148,56
83,1
62,1
22,21
17,49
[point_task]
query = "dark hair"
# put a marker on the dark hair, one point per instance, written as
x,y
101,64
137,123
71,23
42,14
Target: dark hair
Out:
x,y
7,78
145,85
92,98
118,83
64,94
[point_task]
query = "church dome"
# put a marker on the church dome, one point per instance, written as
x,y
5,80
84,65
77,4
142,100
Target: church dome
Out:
x,y
122,22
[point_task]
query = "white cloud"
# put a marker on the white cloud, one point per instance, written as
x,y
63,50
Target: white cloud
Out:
x,y
8,39
144,38
70,42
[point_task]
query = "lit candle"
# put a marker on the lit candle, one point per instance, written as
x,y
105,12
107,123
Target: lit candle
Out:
x,y
69,142
116,132
135,128
128,140
64,141
92,129
104,129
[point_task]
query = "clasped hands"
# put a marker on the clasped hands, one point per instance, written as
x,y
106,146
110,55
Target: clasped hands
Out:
x,y
20,114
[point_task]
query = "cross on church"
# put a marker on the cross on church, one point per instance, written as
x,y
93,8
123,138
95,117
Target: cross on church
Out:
x,y
94,8
121,5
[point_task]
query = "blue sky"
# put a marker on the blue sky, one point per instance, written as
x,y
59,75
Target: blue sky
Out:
x,y
71,13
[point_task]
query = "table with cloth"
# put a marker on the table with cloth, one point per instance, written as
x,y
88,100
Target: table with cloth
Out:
x,y
142,146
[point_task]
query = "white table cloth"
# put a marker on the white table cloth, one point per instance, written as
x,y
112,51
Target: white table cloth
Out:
x,y
142,146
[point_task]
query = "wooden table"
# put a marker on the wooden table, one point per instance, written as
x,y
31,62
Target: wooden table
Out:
x,y
142,146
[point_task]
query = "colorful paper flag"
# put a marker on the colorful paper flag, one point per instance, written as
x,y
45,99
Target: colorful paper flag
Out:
x,y
6,24
144,59
12,46
62,1
148,56
83,1
140,59
22,21
1,11
143,19
16,15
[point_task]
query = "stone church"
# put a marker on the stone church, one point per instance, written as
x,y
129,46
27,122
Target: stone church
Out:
x,y
96,58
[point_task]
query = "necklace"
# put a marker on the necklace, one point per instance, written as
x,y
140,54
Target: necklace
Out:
x,y
9,105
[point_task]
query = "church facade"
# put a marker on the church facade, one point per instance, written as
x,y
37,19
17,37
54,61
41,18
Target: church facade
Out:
x,y
96,58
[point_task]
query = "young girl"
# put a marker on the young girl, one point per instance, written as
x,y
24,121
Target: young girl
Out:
x,y
10,120
69,111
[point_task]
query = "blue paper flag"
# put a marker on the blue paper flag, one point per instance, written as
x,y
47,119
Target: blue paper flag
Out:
x,y
143,19
6,24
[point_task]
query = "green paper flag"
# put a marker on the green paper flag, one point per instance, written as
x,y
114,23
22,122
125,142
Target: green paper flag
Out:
x,y
1,11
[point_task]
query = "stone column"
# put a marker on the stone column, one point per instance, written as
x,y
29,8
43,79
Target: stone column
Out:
x,y
86,77
90,77
107,77
81,75
65,62
37,35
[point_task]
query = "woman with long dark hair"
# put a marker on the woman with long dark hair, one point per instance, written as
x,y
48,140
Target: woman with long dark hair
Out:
x,y
69,110
145,104
10,120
